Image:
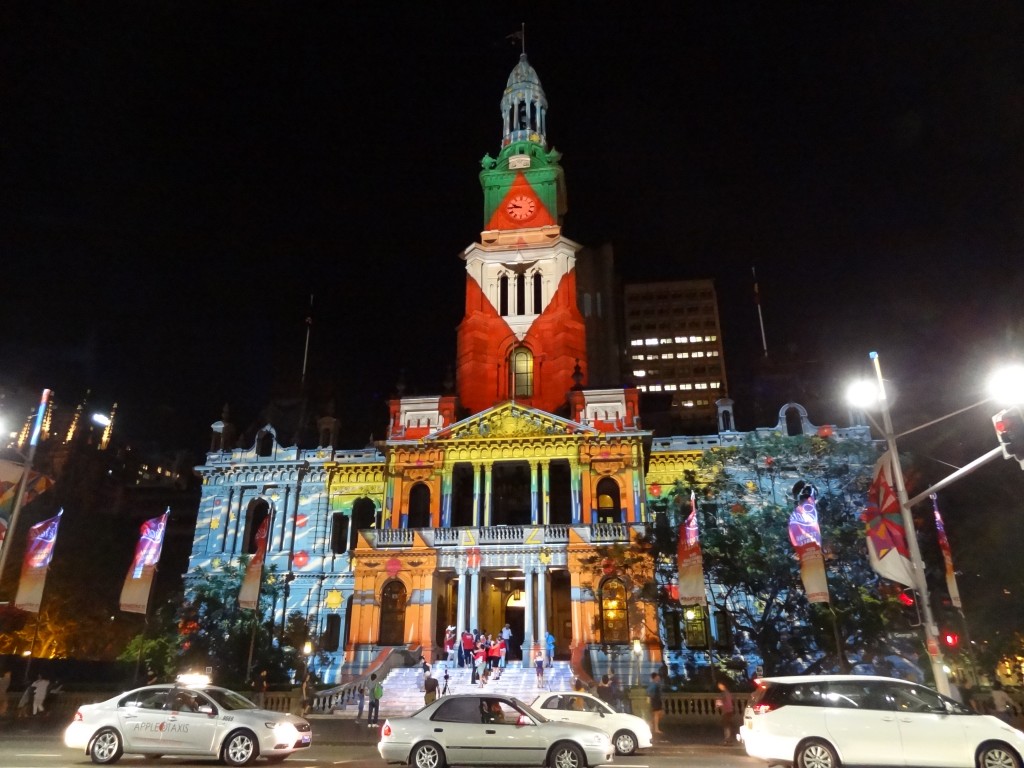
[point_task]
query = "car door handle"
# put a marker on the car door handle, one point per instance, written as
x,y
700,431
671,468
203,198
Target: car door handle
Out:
x,y
490,731
439,730
888,719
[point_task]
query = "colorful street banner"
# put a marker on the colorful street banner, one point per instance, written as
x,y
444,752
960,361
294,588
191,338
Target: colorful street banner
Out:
x,y
42,537
139,581
886,536
947,556
691,560
10,475
805,536
249,594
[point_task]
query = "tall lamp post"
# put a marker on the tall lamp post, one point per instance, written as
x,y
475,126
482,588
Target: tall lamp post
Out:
x,y
931,629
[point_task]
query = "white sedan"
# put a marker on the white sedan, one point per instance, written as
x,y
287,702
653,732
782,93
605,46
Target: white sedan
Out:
x,y
628,732
483,729
203,721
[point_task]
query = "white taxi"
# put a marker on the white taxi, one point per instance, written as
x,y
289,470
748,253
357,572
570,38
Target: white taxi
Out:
x,y
201,720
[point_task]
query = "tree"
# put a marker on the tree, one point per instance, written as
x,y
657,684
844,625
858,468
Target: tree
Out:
x,y
746,499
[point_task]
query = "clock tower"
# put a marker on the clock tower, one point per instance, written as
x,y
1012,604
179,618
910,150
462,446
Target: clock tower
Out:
x,y
522,334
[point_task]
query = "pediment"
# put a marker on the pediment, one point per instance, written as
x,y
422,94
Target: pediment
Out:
x,y
510,420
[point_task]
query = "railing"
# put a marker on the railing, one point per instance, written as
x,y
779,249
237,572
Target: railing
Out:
x,y
340,696
497,535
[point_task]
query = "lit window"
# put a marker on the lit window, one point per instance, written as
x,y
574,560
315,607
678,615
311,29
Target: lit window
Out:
x,y
687,403
640,373
642,388
716,385
670,387
638,357
698,354
522,372
655,387
695,339
700,385
710,338
686,386
637,342
713,353
667,356
680,339
650,342
683,355
666,341
652,357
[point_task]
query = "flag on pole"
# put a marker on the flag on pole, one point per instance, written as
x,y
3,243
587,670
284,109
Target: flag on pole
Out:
x,y
690,561
139,581
805,536
947,555
10,474
38,552
249,594
886,536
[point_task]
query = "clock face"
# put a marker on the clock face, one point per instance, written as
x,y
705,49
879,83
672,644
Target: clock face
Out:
x,y
521,207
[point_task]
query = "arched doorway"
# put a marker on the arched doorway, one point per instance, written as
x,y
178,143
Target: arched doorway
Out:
x,y
393,599
364,515
609,505
419,506
258,511
515,617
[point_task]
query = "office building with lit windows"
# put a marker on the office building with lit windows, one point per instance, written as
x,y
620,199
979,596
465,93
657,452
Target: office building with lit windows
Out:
x,y
673,344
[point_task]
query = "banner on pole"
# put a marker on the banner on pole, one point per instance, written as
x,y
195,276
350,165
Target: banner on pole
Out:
x,y
249,594
947,556
690,560
805,536
139,581
886,536
38,552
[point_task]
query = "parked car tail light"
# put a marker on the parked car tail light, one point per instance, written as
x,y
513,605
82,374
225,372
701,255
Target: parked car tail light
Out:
x,y
386,730
763,709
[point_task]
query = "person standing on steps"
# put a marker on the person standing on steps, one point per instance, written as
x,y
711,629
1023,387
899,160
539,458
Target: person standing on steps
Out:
x,y
728,714
550,641
376,694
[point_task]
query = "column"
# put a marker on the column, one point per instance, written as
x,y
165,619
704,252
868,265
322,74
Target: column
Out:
x,y
446,496
476,496
487,494
535,493
460,615
545,492
474,598
542,608
528,619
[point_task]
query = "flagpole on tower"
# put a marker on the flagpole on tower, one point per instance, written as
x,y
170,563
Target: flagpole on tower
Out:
x,y
931,630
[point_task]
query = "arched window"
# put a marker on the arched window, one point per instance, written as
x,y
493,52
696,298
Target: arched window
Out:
x,y
393,598
257,513
538,294
503,295
419,506
609,507
339,532
614,613
364,515
521,369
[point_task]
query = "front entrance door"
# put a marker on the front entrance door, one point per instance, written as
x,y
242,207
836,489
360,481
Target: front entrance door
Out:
x,y
515,617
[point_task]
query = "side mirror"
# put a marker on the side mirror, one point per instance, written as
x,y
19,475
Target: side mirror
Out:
x,y
523,720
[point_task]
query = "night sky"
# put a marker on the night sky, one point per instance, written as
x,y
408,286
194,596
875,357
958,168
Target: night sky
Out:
x,y
178,178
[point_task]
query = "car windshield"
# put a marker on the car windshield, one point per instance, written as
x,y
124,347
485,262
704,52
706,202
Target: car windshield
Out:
x,y
530,711
228,699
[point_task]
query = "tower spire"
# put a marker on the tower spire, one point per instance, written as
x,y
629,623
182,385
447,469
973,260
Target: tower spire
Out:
x,y
524,107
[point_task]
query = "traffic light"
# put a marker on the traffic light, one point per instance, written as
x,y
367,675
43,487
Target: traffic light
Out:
x,y
951,639
1009,426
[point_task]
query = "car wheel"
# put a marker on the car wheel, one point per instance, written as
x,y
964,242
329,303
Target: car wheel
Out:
x,y
427,755
239,748
997,756
815,753
566,755
106,747
625,743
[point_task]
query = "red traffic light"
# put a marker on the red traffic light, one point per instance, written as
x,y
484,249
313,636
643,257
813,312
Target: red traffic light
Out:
x,y
951,639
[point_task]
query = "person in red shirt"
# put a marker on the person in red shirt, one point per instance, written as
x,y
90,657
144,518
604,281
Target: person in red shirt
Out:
x,y
493,653
466,658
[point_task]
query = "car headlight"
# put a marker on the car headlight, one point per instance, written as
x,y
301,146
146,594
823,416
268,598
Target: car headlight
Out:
x,y
284,732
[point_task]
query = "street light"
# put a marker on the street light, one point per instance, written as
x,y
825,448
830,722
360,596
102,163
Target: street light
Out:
x,y
1006,386
859,396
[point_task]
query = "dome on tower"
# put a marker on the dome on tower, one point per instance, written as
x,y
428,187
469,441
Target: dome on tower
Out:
x,y
524,107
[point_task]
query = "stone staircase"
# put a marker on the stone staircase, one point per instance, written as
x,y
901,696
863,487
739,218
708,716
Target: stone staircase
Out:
x,y
402,695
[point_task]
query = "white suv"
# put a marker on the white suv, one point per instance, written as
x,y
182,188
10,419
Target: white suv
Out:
x,y
826,720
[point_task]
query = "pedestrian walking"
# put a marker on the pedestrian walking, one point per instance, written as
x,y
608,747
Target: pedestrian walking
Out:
x,y
538,663
727,712
40,689
550,642
429,688
604,690
654,700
